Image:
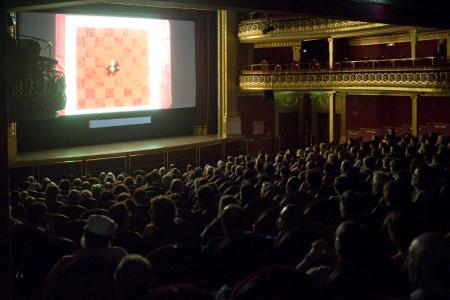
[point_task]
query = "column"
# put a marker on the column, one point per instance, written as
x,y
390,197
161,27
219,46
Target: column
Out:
x,y
448,47
12,141
5,231
413,39
229,120
414,114
331,52
331,112
341,101
277,125
296,52
222,72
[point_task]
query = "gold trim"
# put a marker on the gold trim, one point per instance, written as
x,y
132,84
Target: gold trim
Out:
x,y
222,81
278,44
295,28
399,38
12,129
200,130
432,80
331,113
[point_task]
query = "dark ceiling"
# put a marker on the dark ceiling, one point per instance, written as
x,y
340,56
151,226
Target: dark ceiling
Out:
x,y
430,13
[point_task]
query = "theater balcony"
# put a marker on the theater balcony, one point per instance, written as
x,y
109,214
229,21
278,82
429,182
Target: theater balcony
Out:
x,y
281,52
410,75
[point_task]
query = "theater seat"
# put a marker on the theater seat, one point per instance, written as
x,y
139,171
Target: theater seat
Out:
x,y
176,263
74,230
72,211
90,277
94,211
89,203
137,223
129,240
58,221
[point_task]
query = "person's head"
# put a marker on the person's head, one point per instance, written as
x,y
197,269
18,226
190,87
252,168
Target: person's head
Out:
x,y
121,177
351,205
129,182
422,178
429,262
35,213
292,185
239,171
394,167
198,172
162,211
342,184
51,192
119,189
166,181
290,218
206,196
346,167
74,197
313,179
96,190
64,185
351,242
369,163
120,214
403,227
395,195
133,277
177,186
247,194
224,201
85,185
106,195
233,220
98,232
85,194
209,170
76,183
378,180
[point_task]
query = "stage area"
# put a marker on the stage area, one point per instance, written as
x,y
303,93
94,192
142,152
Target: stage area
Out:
x,y
125,157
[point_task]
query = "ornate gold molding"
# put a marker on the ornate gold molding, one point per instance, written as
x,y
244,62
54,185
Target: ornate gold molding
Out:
x,y
398,38
248,31
278,44
405,80
222,81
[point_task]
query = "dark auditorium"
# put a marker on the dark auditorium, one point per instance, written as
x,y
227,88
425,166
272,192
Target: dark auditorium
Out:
x,y
225,150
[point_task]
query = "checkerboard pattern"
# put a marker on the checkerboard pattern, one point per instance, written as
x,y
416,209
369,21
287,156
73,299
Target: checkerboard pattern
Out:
x,y
98,88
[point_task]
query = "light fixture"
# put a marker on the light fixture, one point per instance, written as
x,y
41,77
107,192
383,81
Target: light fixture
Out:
x,y
390,44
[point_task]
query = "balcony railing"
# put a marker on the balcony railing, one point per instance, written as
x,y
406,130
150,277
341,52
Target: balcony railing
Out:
x,y
407,75
253,28
423,62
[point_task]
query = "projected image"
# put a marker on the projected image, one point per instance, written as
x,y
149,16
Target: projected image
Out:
x,y
114,64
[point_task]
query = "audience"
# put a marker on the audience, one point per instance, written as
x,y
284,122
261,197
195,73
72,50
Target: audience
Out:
x,y
361,220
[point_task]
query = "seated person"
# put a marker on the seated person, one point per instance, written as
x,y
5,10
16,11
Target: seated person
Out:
x,y
96,244
429,267
165,228
240,252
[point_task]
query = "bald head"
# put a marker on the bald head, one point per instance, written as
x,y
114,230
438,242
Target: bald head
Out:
x,y
290,217
233,219
429,262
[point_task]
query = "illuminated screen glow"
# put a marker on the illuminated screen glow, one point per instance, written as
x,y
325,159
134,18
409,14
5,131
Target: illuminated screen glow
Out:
x,y
114,64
